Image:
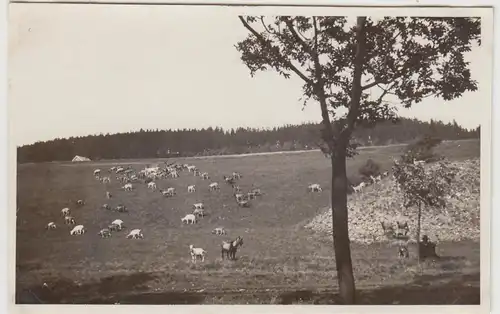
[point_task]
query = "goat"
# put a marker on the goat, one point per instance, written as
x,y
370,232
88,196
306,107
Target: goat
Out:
x,y
113,227
385,174
197,252
121,208
239,197
198,206
65,211
251,195
205,176
229,180
230,248
106,180
80,203
236,189
127,187
219,231
375,179
237,175
256,192
174,174
108,195
315,188
152,185
244,203
135,234
191,189
51,225
77,230
418,162
403,228
118,223
97,172
105,233
213,186
199,212
191,168
106,206
69,220
359,187
388,228
189,218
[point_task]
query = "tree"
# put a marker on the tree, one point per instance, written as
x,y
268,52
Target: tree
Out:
x,y
422,149
341,61
371,168
428,187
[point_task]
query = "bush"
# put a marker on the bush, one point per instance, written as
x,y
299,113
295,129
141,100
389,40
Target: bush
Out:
x,y
371,168
423,149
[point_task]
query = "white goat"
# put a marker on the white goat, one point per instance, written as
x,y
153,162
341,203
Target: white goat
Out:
x,y
51,225
191,168
189,218
174,174
237,175
105,233
198,206
197,252
135,234
315,188
213,186
375,179
106,180
119,223
108,195
77,230
219,231
69,220
191,189
97,172
65,211
152,186
205,176
127,187
359,187
168,192
199,212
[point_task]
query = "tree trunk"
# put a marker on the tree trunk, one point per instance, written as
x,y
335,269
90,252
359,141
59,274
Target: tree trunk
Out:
x,y
419,219
340,228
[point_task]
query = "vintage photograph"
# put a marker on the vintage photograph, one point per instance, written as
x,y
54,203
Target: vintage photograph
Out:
x,y
196,154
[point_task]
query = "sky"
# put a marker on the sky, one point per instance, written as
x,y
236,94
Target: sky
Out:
x,y
76,70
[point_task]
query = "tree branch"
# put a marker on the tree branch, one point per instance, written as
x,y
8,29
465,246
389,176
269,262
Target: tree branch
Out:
x,y
267,44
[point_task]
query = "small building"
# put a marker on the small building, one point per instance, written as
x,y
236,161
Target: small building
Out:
x,y
80,159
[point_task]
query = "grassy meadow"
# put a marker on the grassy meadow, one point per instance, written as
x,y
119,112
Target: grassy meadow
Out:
x,y
279,263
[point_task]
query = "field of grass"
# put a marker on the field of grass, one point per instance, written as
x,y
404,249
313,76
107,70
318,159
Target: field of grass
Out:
x,y
280,261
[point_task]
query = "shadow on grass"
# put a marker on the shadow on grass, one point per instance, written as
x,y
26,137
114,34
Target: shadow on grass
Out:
x,y
132,289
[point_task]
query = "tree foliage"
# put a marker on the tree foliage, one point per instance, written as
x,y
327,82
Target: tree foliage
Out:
x,y
370,168
422,149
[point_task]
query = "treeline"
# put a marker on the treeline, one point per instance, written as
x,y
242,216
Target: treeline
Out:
x,y
216,141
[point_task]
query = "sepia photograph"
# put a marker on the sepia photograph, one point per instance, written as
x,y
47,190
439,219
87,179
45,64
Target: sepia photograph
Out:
x,y
242,155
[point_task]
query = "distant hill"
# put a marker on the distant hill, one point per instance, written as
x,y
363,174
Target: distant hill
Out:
x,y
216,141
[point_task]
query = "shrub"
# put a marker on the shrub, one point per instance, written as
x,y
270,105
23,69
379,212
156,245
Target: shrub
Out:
x,y
371,168
422,149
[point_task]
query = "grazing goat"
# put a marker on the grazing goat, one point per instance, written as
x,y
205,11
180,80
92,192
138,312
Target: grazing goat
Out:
x,y
388,228
213,186
199,212
189,218
135,234
256,192
239,197
65,211
121,208
219,231
315,188
236,189
197,252
77,230
105,233
69,220
229,180
113,227
106,180
51,225
191,189
80,203
244,203
251,195
385,174
359,187
118,223
106,206
174,174
205,176
108,195
237,175
168,192
198,206
230,248
191,168
127,187
97,172
152,186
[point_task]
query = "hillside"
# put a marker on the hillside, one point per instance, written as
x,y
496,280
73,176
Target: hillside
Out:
x,y
459,221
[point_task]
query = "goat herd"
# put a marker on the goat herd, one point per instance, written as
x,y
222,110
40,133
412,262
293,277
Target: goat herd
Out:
x,y
148,176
